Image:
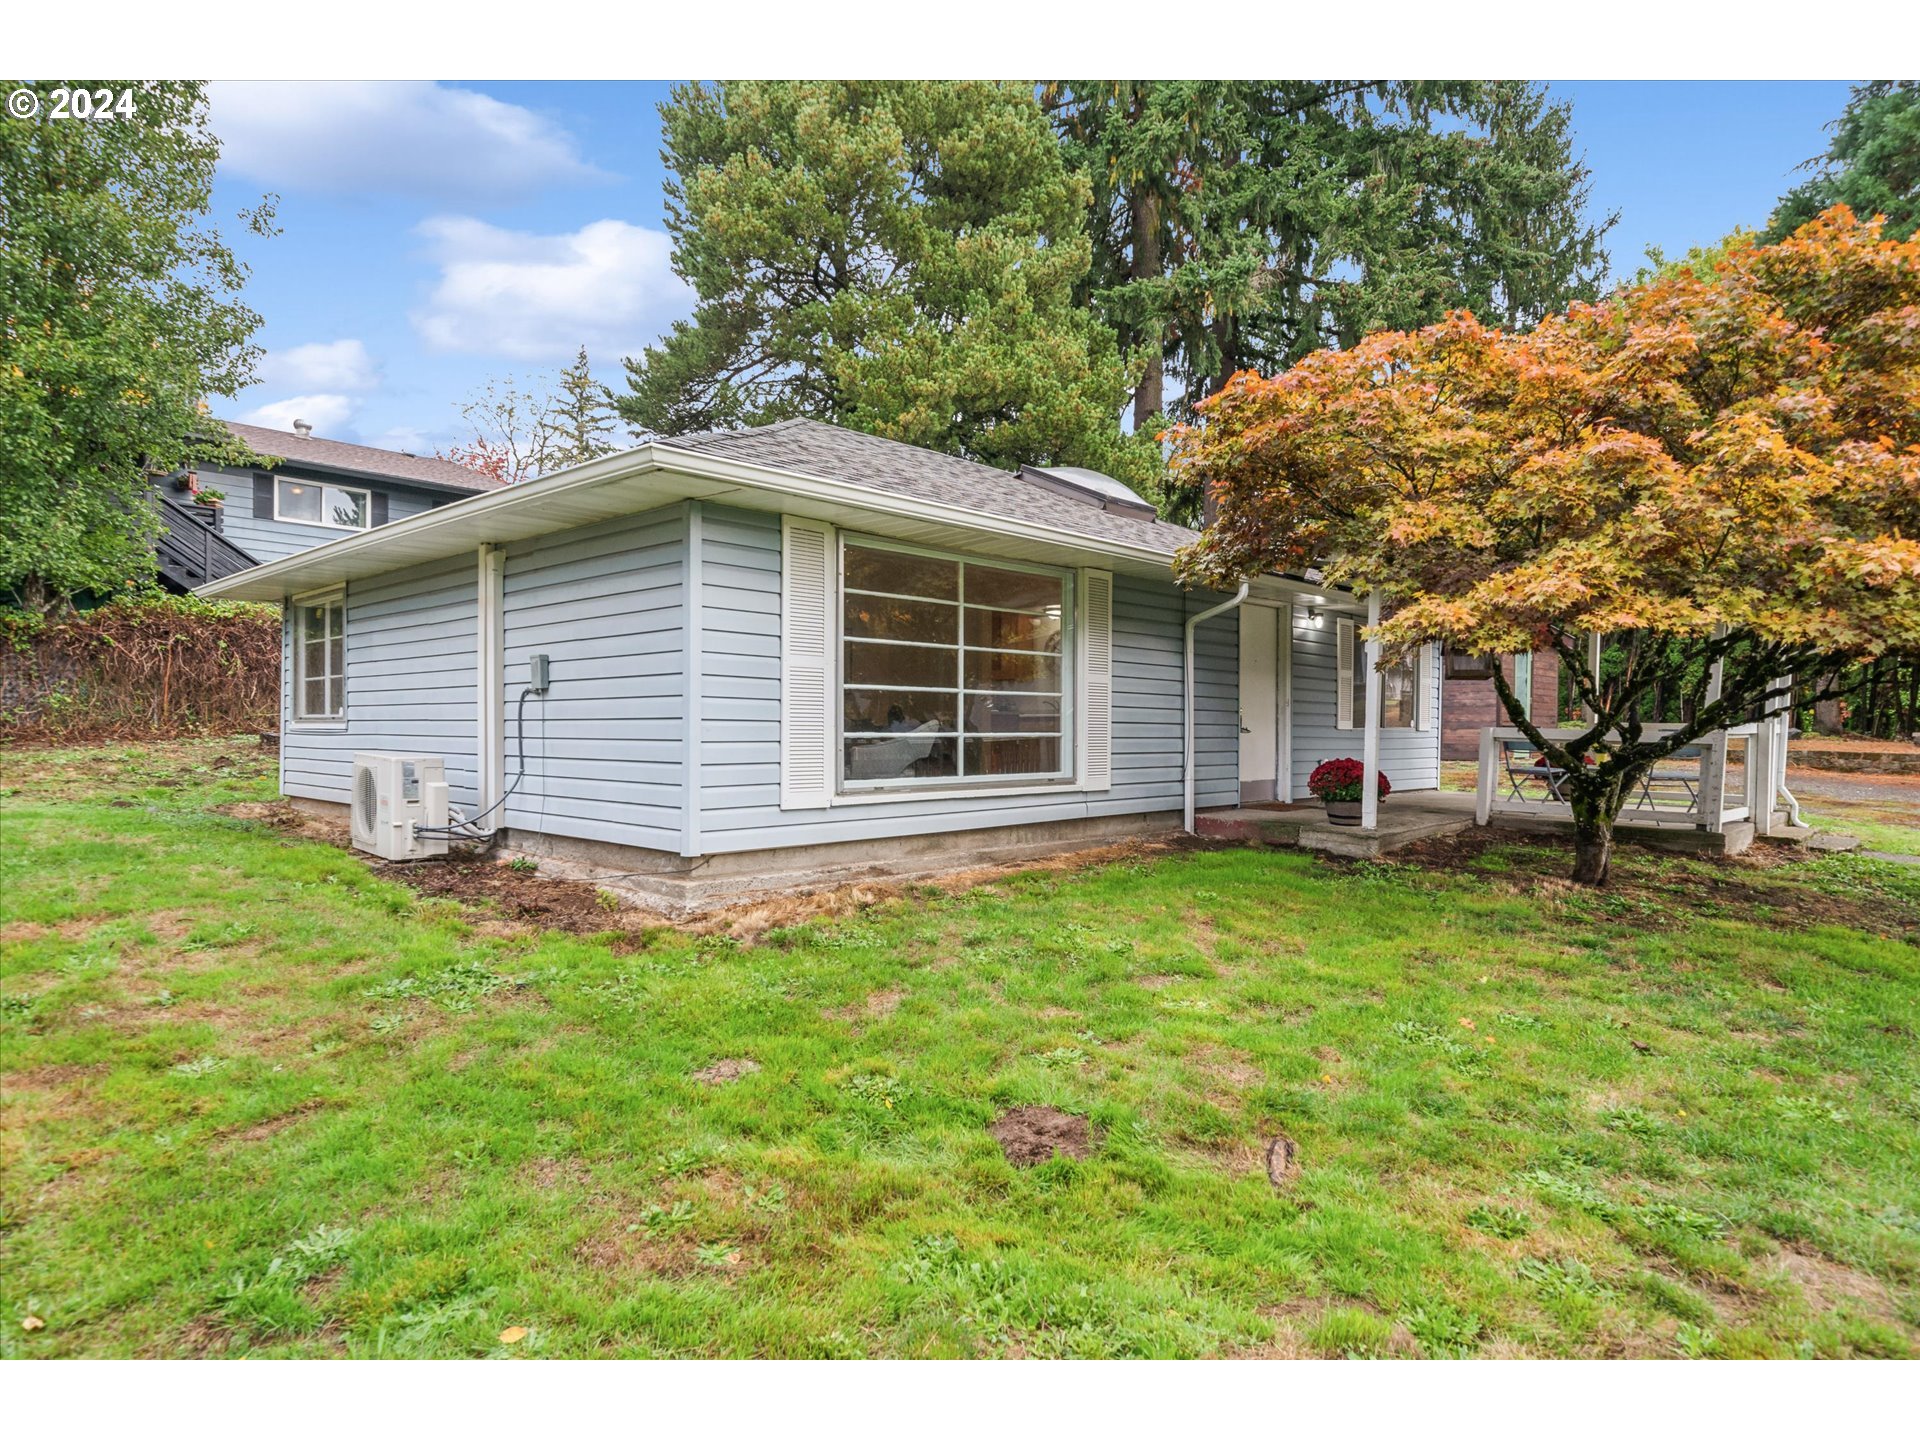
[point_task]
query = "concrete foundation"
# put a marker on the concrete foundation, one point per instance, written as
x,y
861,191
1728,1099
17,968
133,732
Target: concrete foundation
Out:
x,y
680,886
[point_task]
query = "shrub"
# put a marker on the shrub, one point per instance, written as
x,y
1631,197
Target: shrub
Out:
x,y
140,666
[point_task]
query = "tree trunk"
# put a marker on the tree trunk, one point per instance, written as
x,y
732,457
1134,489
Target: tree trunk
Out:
x,y
1826,713
1592,849
1150,398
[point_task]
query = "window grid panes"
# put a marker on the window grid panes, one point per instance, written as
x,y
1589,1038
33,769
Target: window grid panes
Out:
x,y
307,502
320,661
952,670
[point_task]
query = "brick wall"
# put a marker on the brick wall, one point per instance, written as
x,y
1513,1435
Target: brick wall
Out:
x,y
1471,705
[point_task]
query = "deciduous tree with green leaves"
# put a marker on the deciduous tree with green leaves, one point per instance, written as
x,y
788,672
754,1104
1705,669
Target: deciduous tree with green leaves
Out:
x,y
900,257
121,313
1724,468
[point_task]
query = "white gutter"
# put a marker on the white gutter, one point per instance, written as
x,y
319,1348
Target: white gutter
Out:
x,y
1186,759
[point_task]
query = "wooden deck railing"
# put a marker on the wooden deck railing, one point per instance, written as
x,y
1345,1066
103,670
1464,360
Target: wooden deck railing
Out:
x,y
1711,783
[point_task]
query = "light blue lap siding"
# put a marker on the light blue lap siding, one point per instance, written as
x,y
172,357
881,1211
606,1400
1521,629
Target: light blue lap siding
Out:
x,y
266,538
739,709
411,652
1409,758
605,748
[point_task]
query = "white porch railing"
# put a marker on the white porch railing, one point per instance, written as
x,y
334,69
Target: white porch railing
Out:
x,y
1724,776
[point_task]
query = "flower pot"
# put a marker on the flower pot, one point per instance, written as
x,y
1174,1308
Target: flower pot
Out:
x,y
1343,812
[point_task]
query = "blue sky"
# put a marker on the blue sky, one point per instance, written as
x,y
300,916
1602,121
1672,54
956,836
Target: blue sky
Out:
x,y
436,236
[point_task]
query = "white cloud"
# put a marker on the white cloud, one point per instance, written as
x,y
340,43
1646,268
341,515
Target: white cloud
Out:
x,y
407,438
410,137
326,413
608,285
324,365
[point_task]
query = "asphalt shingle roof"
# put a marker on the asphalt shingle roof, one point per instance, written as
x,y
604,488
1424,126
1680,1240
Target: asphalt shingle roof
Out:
x,y
828,452
427,470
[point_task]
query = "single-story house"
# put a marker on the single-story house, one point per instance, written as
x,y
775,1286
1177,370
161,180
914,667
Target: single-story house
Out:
x,y
806,652
315,491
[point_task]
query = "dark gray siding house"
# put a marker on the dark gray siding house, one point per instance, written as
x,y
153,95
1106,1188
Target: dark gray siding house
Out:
x,y
801,649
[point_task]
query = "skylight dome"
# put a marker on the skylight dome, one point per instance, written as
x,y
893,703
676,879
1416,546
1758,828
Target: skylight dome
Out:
x,y
1089,486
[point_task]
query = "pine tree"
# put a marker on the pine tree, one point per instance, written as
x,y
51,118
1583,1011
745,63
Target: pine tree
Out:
x,y
1872,167
1242,224
902,258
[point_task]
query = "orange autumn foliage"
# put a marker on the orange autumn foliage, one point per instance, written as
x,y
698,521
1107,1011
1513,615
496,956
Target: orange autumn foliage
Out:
x,y
1741,452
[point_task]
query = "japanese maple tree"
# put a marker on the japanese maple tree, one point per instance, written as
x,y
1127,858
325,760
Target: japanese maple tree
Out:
x,y
1723,469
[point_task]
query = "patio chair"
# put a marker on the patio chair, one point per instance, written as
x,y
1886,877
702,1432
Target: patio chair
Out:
x,y
1687,780
1523,763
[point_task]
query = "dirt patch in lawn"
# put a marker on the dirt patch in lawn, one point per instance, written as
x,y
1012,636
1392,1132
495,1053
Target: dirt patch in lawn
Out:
x,y
1828,1284
725,1072
1034,1134
267,1129
876,1006
541,902
285,815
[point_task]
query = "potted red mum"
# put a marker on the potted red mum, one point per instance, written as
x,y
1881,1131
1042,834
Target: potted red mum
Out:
x,y
1337,784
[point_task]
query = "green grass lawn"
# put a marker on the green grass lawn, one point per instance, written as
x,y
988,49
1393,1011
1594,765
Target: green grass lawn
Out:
x,y
258,1100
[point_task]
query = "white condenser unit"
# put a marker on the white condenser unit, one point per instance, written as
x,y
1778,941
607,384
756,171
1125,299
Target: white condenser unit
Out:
x,y
395,795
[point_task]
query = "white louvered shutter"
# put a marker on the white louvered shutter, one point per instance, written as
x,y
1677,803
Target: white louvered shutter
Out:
x,y
806,664
1096,679
1343,674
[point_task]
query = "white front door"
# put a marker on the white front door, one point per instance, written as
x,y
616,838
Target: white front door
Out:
x,y
1259,703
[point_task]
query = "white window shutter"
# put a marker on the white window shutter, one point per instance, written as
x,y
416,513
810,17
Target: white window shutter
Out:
x,y
1423,688
1343,674
807,588
1096,679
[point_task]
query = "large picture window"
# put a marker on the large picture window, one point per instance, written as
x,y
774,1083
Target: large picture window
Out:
x,y
320,660
951,669
307,502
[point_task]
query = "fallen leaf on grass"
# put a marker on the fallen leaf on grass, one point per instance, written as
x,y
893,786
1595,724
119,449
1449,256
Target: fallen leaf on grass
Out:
x,y
33,1322
513,1334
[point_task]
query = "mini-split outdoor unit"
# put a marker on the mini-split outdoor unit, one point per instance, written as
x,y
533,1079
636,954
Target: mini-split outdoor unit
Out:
x,y
393,797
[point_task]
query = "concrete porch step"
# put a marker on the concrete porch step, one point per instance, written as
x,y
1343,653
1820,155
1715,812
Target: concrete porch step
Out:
x,y
1784,834
1832,844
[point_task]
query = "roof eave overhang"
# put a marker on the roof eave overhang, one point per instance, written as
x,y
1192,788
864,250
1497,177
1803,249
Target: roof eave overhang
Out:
x,y
647,478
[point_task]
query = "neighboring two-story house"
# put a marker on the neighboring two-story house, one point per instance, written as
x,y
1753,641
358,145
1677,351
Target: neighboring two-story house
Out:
x,y
318,490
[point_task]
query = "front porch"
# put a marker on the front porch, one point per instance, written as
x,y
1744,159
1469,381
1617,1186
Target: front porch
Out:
x,y
1404,818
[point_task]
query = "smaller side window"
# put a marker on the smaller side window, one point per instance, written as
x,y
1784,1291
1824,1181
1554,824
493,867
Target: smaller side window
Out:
x,y
320,660
308,502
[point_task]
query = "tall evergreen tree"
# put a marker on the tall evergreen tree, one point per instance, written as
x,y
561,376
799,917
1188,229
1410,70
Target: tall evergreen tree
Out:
x,y
1242,224
1872,167
904,258
120,313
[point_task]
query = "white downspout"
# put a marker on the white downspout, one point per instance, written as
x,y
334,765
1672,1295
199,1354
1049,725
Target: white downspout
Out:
x,y
1370,747
490,701
1186,759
